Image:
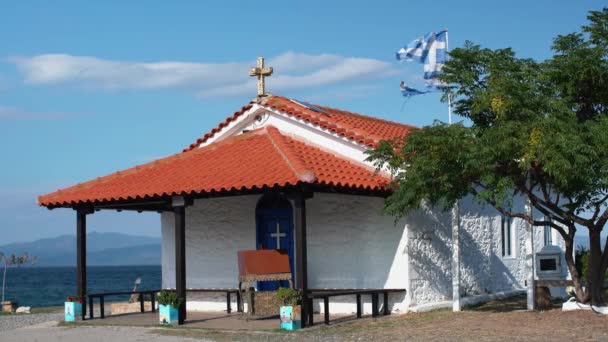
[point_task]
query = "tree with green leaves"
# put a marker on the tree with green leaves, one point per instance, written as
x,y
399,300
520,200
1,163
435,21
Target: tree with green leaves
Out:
x,y
13,261
539,130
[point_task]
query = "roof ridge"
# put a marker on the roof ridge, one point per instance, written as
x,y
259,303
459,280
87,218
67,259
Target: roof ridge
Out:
x,y
342,111
341,122
219,127
374,118
293,161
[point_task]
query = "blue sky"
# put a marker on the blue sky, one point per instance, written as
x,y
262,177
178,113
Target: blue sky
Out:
x,y
88,88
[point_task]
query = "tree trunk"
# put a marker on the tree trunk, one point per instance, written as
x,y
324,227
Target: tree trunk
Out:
x,y
581,295
595,276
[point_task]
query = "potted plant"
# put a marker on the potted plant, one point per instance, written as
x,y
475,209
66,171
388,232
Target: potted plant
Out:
x,y
12,261
168,307
291,310
73,308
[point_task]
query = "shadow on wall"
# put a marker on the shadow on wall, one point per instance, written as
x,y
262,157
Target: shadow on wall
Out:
x,y
503,277
476,259
430,256
430,252
482,271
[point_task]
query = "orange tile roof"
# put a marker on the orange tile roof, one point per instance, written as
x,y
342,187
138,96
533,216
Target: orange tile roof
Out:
x,y
364,129
254,160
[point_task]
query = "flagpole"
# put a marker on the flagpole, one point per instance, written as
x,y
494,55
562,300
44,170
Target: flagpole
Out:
x,y
447,56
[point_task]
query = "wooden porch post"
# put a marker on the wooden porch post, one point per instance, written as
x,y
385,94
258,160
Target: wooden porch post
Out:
x,y
301,271
81,255
179,211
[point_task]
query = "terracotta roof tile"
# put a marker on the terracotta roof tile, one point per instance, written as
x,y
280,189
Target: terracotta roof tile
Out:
x,y
254,160
366,130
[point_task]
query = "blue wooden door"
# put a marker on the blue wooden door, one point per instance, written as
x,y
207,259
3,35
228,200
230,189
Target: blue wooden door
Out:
x,y
275,231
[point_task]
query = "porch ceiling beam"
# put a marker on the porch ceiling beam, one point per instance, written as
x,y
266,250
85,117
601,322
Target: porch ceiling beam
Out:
x,y
138,208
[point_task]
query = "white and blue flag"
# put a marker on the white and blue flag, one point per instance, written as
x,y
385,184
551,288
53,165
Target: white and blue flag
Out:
x,y
431,50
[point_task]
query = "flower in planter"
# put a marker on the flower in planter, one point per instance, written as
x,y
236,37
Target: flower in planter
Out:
x,y
290,313
168,307
289,296
79,299
169,298
73,307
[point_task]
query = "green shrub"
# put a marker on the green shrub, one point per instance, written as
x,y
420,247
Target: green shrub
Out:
x,y
166,297
289,296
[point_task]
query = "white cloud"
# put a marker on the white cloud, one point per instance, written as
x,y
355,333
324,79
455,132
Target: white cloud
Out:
x,y
292,71
14,113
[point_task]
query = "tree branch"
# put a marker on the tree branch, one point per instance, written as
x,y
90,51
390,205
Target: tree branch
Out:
x,y
554,208
602,220
597,206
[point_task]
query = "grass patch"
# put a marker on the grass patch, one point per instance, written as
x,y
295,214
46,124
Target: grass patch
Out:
x,y
513,303
47,309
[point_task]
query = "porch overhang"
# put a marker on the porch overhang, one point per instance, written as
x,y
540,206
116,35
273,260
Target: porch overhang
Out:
x,y
250,163
163,203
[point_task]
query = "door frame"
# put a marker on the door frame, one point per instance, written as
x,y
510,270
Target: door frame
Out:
x,y
269,202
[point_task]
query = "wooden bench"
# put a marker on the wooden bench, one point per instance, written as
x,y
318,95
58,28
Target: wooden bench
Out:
x,y
227,292
152,294
102,296
325,294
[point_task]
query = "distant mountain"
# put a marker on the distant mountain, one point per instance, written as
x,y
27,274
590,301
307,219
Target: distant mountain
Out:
x,y
102,249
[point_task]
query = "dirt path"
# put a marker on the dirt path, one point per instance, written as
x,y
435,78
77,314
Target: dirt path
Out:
x,y
552,325
496,321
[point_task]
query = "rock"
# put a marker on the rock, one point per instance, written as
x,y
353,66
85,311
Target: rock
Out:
x,y
9,306
23,309
122,307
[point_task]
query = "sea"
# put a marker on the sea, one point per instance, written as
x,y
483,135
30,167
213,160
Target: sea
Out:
x,y
50,286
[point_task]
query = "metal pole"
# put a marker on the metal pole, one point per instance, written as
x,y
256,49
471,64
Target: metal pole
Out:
x,y
456,257
530,264
455,221
447,57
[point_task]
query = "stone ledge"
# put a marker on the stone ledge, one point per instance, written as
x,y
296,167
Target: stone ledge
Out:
x,y
122,308
466,301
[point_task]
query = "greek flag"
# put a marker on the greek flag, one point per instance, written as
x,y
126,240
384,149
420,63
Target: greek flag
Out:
x,y
408,91
431,50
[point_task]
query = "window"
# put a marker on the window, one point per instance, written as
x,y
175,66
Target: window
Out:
x,y
548,235
507,237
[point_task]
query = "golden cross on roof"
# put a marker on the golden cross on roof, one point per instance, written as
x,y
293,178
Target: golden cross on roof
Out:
x,y
260,71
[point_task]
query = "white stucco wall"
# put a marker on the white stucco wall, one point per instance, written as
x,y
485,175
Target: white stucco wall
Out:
x,y
483,268
350,245
215,230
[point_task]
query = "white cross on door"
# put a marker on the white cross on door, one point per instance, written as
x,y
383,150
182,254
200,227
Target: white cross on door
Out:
x,y
278,235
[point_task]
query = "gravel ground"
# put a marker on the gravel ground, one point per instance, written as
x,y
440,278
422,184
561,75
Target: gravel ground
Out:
x,y
497,321
10,322
50,332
